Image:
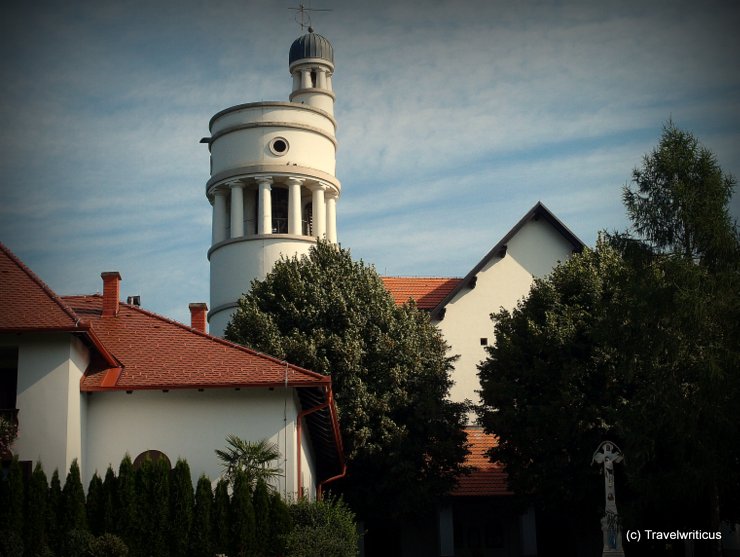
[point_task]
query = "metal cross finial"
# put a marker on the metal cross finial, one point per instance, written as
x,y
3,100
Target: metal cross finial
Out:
x,y
303,18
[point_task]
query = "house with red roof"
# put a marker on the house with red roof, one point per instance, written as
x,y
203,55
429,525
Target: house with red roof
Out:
x,y
92,378
478,517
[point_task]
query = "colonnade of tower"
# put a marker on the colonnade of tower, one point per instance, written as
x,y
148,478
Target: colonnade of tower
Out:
x,y
273,186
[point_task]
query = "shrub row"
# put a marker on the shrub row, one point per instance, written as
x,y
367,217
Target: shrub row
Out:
x,y
154,510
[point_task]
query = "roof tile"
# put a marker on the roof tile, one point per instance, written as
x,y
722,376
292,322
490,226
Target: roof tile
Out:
x,y
427,292
27,303
487,478
157,353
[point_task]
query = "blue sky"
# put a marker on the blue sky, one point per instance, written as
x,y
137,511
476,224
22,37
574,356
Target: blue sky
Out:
x,y
454,119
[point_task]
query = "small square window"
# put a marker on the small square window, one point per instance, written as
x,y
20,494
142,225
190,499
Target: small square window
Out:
x,y
484,342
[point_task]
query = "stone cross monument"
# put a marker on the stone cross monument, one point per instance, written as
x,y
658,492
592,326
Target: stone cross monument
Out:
x,y
608,454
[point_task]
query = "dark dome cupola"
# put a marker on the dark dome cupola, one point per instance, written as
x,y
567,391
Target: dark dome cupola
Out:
x,y
311,62
311,45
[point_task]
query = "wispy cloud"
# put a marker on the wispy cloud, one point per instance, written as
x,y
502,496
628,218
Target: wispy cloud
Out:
x,y
454,119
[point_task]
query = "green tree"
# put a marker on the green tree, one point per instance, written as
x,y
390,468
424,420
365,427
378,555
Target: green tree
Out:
x,y
54,512
127,524
201,530
257,460
181,509
153,493
280,525
261,503
37,499
325,528
636,342
74,515
243,529
12,497
96,505
221,518
110,512
403,438
678,200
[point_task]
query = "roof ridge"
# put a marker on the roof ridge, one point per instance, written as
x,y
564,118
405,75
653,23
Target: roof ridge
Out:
x,y
214,338
53,296
419,277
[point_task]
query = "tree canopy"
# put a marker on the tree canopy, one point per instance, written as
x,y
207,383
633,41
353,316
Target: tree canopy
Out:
x,y
390,371
635,341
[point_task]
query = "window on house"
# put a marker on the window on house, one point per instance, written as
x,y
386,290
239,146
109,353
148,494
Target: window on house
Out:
x,y
484,342
8,382
153,455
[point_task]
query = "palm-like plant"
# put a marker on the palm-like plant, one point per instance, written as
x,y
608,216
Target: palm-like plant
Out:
x,y
258,460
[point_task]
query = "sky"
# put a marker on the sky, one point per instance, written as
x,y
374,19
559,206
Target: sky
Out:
x,y
455,118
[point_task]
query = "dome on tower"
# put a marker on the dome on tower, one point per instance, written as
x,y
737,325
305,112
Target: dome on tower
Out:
x,y
311,45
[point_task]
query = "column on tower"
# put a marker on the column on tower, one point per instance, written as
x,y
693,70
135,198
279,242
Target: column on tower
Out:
x,y
264,205
219,216
237,209
331,216
306,79
319,211
321,78
294,205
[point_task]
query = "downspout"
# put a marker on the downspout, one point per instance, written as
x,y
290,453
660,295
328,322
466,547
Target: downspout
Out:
x,y
340,449
299,448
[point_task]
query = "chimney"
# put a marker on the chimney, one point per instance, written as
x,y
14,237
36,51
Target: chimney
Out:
x,y
198,316
111,292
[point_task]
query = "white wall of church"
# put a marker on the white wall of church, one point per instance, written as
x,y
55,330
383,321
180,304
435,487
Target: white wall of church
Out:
x,y
51,409
532,252
191,424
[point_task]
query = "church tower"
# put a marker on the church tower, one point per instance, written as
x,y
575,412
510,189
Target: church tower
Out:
x,y
273,186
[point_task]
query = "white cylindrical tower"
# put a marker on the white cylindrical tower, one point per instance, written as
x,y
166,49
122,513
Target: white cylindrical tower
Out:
x,y
273,186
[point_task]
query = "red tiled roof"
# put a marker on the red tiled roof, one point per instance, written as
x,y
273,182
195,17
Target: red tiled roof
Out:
x,y
27,303
487,478
427,292
157,353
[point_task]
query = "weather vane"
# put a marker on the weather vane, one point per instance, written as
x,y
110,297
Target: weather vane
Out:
x,y
303,18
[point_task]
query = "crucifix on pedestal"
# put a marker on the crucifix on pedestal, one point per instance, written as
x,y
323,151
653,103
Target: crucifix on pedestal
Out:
x,y
608,454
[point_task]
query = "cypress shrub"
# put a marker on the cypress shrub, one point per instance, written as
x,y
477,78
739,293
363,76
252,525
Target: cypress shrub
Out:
x,y
125,503
152,487
11,510
261,502
37,499
12,498
110,512
95,505
201,529
221,518
181,509
242,518
280,525
54,513
73,501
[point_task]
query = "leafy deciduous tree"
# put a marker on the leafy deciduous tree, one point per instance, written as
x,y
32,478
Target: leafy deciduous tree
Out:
x,y
404,439
635,341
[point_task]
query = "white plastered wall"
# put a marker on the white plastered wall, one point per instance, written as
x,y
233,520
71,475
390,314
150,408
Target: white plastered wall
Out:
x,y
234,266
192,424
533,252
51,409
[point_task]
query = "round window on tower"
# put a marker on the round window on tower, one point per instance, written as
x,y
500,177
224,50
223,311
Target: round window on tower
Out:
x,y
279,146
